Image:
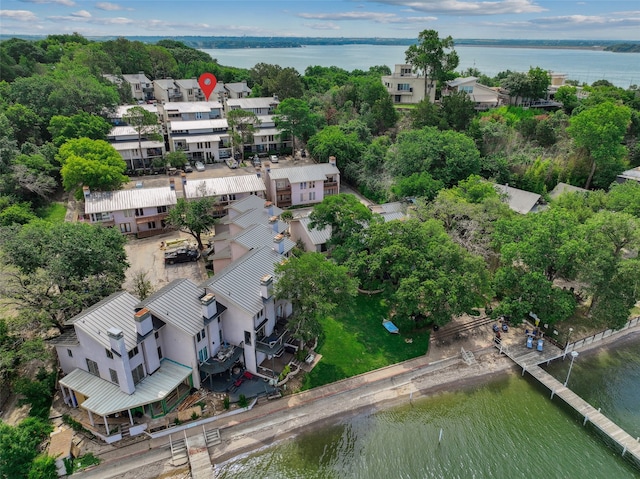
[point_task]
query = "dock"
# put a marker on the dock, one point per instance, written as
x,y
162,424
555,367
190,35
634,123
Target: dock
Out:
x,y
530,359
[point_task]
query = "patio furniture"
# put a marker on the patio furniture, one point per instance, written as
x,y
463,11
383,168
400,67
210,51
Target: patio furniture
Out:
x,y
247,375
389,326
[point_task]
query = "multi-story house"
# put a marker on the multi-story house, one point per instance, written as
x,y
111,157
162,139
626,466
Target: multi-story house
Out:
x,y
408,87
235,90
189,111
302,185
202,140
141,87
165,90
190,89
224,190
482,96
137,155
139,211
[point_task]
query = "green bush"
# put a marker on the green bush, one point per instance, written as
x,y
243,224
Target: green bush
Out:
x,y
38,393
226,403
284,373
194,416
43,467
243,401
19,447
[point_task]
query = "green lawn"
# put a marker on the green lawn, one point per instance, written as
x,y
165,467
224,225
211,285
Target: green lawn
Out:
x,y
54,213
355,342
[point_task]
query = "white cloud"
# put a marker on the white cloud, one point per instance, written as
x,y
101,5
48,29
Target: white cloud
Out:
x,y
573,21
110,7
92,20
19,15
67,3
81,14
467,7
322,26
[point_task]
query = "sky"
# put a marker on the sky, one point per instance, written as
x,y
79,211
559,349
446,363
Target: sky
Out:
x,y
513,19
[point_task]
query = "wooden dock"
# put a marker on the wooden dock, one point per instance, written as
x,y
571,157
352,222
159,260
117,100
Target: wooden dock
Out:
x,y
529,360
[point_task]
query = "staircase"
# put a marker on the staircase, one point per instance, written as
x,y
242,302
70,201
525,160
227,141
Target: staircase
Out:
x,y
212,437
179,454
468,357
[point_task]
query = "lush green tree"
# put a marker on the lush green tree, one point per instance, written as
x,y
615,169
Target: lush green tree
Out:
x,y
433,56
567,95
193,217
43,467
295,117
625,197
316,288
34,176
141,286
273,80
81,125
419,184
94,163
25,123
19,446
243,125
600,130
448,156
146,125
162,63
16,214
53,271
347,147
129,56
458,110
427,114
609,271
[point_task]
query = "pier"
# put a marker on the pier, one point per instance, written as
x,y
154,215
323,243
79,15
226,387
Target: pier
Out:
x,y
530,360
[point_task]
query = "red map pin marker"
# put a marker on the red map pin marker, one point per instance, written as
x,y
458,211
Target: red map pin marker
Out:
x,y
207,82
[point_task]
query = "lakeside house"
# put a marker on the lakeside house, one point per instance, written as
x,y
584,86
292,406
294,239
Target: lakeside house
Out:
x,y
520,201
483,97
405,86
629,175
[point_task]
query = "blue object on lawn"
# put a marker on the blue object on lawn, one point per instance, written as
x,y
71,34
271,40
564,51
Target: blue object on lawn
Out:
x,y
529,342
389,326
540,343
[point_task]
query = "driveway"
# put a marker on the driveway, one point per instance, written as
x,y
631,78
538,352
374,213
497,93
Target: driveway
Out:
x,y
147,256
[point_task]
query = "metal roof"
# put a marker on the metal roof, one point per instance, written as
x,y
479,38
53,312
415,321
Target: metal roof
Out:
x,y
165,83
121,200
239,283
253,202
188,83
191,106
388,207
256,217
257,236
562,188
267,132
393,215
461,81
298,174
136,77
115,311
318,237
179,125
124,130
224,186
67,338
132,145
121,110
237,87
201,138
519,200
252,103
104,397
178,304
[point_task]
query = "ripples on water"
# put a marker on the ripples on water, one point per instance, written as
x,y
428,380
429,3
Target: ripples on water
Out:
x,y
506,429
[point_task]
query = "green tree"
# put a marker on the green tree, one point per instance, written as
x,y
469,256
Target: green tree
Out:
x,y
419,184
567,95
34,176
141,286
625,197
82,125
243,125
295,117
193,217
43,467
162,63
316,288
600,130
458,110
16,214
347,147
434,56
176,159
19,446
146,125
54,271
25,123
94,163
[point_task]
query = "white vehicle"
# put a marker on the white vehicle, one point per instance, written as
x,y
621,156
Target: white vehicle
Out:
x,y
199,166
273,158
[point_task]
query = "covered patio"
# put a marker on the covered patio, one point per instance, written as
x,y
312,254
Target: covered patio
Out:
x,y
155,396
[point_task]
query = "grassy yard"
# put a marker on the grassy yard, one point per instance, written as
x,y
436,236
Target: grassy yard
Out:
x,y
54,213
355,342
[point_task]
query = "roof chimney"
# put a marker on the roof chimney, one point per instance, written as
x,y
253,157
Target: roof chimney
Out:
x,y
266,286
172,184
332,160
86,191
209,306
183,179
273,221
278,241
116,340
144,324
269,207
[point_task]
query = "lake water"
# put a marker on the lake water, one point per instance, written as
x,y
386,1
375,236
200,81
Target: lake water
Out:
x,y
621,69
506,429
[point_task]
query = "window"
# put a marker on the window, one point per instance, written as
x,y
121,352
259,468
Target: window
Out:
x,y
312,196
466,89
139,212
189,91
404,87
109,353
405,71
114,376
128,213
301,197
247,338
151,225
232,197
92,366
138,374
159,352
303,185
162,209
134,352
201,335
125,227
203,355
69,353
156,334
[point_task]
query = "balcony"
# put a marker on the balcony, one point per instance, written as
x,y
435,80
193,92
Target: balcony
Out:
x,y
174,94
328,183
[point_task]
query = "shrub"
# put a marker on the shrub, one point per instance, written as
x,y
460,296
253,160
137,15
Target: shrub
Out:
x,y
226,403
285,372
243,401
194,416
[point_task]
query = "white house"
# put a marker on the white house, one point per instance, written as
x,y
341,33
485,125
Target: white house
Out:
x,y
140,86
518,200
139,211
225,190
259,106
302,185
201,140
408,87
165,90
236,90
313,239
189,111
483,96
125,140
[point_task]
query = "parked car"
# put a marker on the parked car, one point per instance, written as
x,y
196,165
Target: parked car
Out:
x,y
188,168
199,166
273,158
181,255
256,161
233,164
